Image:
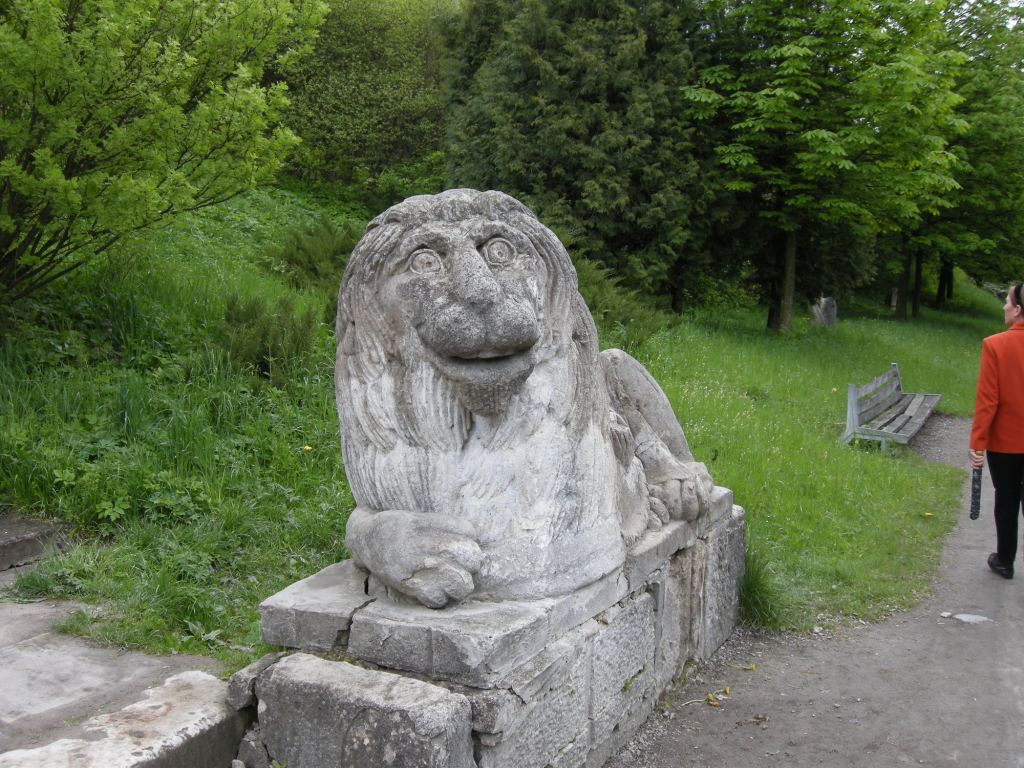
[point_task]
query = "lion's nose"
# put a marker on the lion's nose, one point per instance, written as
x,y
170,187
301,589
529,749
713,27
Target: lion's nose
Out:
x,y
472,279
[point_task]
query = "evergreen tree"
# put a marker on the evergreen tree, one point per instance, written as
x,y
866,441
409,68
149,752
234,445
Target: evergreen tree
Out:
x,y
369,97
575,106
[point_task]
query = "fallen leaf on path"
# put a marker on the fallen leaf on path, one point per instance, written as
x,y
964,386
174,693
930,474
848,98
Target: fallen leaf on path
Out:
x,y
752,667
755,720
713,699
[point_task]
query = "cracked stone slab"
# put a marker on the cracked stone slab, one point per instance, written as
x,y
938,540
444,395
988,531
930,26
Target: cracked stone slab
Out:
x,y
184,722
720,508
51,683
473,643
242,685
314,614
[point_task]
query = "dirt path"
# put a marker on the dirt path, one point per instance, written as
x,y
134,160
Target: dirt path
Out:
x,y
919,689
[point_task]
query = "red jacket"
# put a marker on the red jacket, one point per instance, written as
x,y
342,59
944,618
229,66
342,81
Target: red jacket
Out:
x,y
999,404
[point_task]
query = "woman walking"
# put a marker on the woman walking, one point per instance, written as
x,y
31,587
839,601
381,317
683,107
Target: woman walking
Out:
x,y
998,427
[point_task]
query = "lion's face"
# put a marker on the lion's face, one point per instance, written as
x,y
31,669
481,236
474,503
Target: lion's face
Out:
x,y
467,295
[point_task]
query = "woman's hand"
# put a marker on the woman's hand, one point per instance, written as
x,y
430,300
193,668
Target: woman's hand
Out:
x,y
977,458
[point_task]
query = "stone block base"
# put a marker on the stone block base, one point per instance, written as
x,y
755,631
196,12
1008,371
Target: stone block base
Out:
x,y
561,682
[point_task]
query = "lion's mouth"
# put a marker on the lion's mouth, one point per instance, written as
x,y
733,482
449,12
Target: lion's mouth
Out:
x,y
486,367
486,356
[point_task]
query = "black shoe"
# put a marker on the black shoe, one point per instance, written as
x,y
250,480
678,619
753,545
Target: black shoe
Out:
x,y
1006,571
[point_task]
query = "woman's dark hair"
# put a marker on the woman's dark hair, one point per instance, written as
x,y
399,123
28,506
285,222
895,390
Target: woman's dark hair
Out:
x,y
1015,292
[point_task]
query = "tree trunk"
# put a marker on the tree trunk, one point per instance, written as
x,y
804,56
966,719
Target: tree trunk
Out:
x,y
677,295
788,283
918,270
904,286
940,292
945,288
774,314
775,287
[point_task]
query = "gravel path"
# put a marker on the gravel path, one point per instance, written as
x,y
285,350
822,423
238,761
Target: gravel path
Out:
x,y
942,684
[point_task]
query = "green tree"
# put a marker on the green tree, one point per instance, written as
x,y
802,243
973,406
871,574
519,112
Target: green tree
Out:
x,y
575,107
116,113
831,121
983,230
369,98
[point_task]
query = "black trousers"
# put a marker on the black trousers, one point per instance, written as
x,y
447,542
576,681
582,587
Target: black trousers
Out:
x,y
1007,470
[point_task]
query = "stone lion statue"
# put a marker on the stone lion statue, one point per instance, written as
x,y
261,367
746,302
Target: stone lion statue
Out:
x,y
493,452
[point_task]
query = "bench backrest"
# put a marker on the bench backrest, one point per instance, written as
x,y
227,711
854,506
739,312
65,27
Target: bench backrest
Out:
x,y
865,402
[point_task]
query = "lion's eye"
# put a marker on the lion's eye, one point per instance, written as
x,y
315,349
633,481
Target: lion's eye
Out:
x,y
424,261
498,251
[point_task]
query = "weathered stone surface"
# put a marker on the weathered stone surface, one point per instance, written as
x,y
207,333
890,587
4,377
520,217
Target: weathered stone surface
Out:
x,y
316,713
720,508
314,614
707,578
547,710
824,311
725,567
23,541
668,591
623,661
251,751
628,721
474,643
184,722
535,528
492,451
653,551
51,683
241,693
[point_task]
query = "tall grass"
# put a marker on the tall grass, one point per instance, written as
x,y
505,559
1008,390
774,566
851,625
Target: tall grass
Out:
x,y
175,406
840,531
177,411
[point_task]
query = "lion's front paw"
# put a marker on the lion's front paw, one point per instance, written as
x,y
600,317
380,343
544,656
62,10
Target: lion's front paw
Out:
x,y
431,558
447,575
686,495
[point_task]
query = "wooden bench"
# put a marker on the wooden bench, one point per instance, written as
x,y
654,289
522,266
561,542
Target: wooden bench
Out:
x,y
881,410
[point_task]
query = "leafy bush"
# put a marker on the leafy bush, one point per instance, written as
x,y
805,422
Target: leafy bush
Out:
x,y
119,114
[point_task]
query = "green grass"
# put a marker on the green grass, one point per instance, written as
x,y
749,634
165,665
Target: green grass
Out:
x,y
835,531
193,449
175,406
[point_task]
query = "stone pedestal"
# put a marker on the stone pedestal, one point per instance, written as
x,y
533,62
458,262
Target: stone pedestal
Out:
x,y
561,682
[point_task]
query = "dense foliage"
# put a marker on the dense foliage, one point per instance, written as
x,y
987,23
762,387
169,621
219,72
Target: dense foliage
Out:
x,y
367,103
983,228
576,107
832,117
116,114
793,148
811,148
